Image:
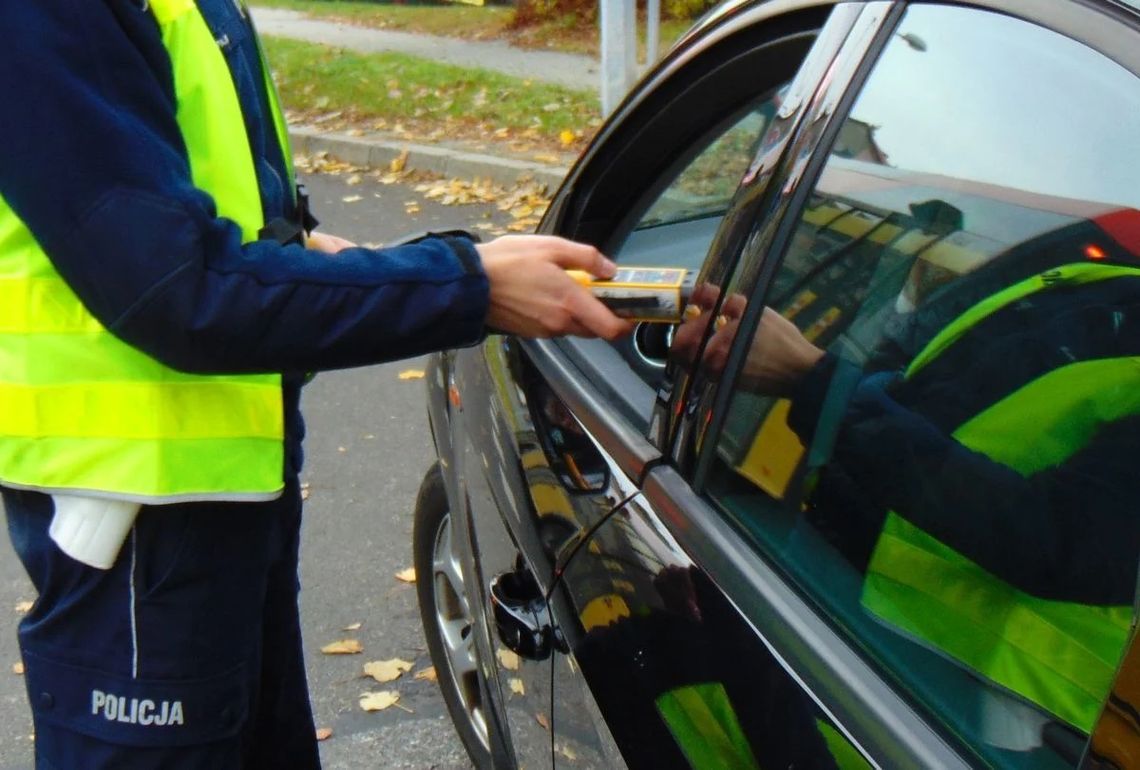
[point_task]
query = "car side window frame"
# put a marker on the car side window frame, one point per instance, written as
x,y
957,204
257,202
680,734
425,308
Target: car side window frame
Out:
x,y
579,213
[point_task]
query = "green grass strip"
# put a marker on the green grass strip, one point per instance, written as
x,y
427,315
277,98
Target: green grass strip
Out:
x,y
315,78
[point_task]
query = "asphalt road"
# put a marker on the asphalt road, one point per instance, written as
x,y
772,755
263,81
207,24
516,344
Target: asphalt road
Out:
x,y
366,450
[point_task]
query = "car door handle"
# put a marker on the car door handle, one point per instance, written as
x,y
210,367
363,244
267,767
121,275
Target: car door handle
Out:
x,y
521,616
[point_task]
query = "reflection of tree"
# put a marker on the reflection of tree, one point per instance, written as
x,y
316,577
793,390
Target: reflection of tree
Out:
x,y
856,140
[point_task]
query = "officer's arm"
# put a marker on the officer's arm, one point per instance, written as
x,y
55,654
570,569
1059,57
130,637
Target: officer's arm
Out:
x,y
95,166
1068,532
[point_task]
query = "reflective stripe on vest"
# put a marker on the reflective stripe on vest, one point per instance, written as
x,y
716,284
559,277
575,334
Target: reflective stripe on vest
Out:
x,y
846,756
1060,655
82,411
705,726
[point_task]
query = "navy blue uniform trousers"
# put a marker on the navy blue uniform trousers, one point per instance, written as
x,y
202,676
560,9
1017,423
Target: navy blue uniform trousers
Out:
x,y
185,654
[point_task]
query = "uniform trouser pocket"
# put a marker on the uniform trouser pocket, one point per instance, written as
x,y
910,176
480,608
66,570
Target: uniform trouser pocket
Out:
x,y
201,607
86,717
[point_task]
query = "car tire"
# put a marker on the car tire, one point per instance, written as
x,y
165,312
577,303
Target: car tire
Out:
x,y
446,614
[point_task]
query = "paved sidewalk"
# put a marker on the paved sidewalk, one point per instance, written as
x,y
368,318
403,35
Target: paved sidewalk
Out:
x,y
377,150
570,70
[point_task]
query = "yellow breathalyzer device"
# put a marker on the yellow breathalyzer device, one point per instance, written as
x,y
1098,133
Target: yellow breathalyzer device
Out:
x,y
652,294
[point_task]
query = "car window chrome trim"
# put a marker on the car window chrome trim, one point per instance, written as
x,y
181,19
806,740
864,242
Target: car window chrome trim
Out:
x,y
772,227
627,447
886,728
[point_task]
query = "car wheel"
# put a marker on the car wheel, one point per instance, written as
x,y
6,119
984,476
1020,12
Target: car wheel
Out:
x,y
445,609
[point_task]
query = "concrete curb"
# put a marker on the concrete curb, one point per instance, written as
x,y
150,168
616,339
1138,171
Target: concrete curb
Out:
x,y
375,152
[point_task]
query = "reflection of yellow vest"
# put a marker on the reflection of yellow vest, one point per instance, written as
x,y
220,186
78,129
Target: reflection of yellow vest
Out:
x,y
707,730
1060,655
82,411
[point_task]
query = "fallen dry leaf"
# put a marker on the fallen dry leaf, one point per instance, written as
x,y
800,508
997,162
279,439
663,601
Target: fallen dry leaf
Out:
x,y
411,207
542,720
343,647
507,659
407,575
352,198
566,136
397,164
354,180
352,627
566,751
18,669
517,686
22,607
387,670
305,491
412,374
426,673
324,733
378,701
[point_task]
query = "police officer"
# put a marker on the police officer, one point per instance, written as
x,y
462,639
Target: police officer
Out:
x,y
161,298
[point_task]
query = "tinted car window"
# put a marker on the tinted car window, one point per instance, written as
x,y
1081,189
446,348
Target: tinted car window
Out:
x,y
682,214
932,432
706,185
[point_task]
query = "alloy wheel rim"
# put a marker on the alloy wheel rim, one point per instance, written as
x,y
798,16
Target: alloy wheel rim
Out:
x,y
456,626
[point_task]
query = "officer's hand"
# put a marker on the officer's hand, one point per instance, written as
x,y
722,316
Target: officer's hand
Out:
x,y
330,244
532,296
780,356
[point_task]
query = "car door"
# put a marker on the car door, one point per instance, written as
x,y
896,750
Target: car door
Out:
x,y
618,696
540,468
946,570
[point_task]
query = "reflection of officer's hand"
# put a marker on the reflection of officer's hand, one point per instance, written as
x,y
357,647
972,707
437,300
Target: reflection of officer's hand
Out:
x,y
675,585
687,337
780,356
698,315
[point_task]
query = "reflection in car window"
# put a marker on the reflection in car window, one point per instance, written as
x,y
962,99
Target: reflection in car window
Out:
x,y
705,187
934,428
678,225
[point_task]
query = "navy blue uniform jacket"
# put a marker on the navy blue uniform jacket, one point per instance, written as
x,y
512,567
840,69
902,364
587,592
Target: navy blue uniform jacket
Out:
x,y
92,160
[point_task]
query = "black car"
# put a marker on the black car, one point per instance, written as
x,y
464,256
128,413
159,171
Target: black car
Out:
x,y
872,500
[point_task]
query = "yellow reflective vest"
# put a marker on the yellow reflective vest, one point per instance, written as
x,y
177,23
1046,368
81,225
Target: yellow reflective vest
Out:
x,y
81,411
1061,656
